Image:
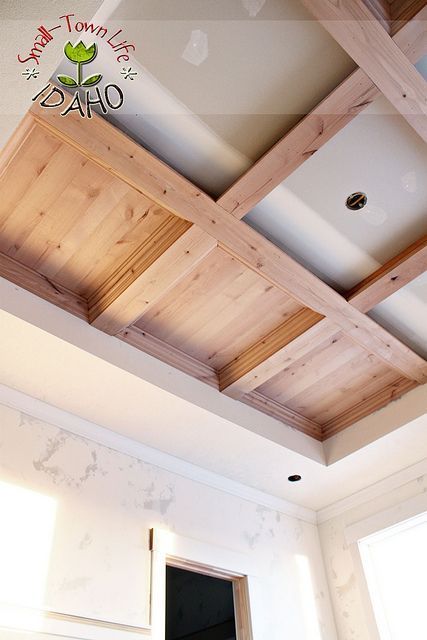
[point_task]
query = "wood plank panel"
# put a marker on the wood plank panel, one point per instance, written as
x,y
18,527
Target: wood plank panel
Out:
x,y
127,160
324,359
69,219
136,264
354,377
354,27
217,311
343,104
180,259
367,406
43,287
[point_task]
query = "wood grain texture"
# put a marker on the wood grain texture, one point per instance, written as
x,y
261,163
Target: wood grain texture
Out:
x,y
170,355
354,27
155,281
125,159
43,287
391,277
401,11
217,311
248,370
345,102
381,9
283,414
366,406
263,360
350,377
136,264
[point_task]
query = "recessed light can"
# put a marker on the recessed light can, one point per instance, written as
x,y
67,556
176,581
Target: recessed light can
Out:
x,y
294,478
356,201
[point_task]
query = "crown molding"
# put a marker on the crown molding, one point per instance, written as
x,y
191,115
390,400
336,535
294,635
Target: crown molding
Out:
x,y
375,490
101,435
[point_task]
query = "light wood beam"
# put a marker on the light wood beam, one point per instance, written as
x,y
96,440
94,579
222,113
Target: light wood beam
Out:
x,y
358,32
345,102
394,275
295,338
110,148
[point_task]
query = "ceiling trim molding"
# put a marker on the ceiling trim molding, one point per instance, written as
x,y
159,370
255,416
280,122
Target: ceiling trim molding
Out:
x,y
376,490
80,427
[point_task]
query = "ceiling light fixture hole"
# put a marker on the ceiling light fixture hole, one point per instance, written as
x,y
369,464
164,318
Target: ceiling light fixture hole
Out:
x,y
295,478
356,201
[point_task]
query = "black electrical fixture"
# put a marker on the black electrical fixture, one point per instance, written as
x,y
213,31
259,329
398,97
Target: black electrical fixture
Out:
x,y
294,478
356,201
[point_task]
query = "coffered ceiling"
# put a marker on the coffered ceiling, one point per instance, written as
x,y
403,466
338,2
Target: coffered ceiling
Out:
x,y
167,228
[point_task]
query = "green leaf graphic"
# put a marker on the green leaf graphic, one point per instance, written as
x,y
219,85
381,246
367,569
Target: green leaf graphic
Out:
x,y
80,53
91,80
67,81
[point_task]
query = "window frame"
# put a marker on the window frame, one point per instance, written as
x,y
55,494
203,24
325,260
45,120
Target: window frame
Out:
x,y
358,536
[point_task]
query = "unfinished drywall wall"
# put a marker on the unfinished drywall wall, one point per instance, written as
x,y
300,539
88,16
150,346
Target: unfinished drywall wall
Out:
x,y
84,512
353,612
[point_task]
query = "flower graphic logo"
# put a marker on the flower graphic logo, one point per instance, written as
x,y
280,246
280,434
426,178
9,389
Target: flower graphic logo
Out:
x,y
80,55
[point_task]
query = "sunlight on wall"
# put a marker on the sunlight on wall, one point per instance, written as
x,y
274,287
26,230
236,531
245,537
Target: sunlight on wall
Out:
x,y
308,599
26,532
395,564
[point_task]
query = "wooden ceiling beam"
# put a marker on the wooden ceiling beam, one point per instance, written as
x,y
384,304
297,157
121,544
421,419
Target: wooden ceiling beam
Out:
x,y
394,275
129,298
355,28
295,338
345,102
121,156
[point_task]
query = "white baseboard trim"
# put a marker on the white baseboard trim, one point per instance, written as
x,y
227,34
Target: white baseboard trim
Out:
x,y
103,436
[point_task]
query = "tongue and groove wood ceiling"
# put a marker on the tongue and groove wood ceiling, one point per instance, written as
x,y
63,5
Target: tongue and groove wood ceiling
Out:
x,y
92,222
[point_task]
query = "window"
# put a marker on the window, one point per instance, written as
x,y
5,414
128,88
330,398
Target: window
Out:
x,y
395,565
198,607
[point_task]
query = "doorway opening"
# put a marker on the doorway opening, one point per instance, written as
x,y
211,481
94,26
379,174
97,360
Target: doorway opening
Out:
x,y
199,606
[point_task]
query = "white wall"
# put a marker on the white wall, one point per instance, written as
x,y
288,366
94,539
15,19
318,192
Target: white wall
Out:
x,y
102,504
353,612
